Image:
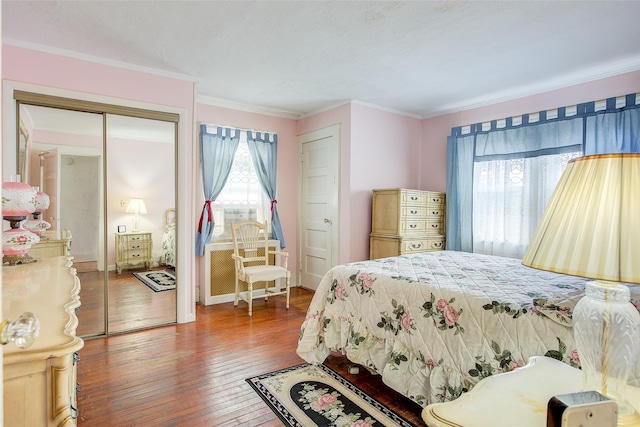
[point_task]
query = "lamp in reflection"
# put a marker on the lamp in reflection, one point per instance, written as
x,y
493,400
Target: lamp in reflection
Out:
x,y
37,225
136,207
18,201
590,229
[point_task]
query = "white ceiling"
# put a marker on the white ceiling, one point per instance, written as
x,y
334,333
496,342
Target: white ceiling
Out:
x,y
293,58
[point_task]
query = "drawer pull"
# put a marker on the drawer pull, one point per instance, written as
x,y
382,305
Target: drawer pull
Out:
x,y
416,245
434,225
76,357
437,245
414,198
135,255
412,225
435,200
413,212
74,411
135,247
434,213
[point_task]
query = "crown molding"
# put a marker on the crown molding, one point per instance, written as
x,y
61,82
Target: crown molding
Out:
x,y
613,69
98,60
224,103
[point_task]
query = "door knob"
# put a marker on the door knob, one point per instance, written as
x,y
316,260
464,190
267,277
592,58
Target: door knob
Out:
x,y
22,331
327,221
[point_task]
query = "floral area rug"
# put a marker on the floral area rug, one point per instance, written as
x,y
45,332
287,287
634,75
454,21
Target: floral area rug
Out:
x,y
158,280
314,395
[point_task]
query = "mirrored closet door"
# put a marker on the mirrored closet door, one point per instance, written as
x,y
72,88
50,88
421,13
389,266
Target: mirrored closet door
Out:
x,y
111,182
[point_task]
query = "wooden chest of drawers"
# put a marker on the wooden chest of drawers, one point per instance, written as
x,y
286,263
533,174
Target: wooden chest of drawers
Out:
x,y
406,221
133,250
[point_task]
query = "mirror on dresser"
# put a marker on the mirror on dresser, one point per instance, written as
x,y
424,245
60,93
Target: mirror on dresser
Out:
x,y
92,163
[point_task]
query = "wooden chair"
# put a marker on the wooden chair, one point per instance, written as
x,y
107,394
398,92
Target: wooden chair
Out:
x,y
251,267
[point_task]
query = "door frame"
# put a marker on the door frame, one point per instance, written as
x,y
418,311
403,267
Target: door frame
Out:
x,y
331,132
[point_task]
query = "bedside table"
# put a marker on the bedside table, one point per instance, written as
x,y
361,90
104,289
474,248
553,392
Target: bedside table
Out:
x,y
133,249
513,399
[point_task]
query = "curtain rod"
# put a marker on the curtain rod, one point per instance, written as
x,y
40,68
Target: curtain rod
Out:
x,y
571,110
241,129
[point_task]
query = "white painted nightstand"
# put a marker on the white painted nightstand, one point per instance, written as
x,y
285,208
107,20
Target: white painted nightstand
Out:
x,y
513,399
133,249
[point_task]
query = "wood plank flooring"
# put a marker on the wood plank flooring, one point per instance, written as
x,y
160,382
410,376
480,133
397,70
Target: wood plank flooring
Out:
x,y
194,374
132,304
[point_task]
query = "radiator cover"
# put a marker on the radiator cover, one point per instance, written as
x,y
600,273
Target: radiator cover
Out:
x,y
220,276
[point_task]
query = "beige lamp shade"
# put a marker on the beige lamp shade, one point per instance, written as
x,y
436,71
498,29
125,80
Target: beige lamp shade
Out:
x,y
591,226
136,206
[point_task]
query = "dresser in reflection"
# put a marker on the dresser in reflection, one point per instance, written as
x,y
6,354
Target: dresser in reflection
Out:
x,y
40,381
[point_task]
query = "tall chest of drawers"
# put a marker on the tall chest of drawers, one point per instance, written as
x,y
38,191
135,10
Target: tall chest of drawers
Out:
x,y
406,221
133,249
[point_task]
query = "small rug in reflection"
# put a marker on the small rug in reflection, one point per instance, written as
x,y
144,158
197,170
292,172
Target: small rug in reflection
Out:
x,y
158,280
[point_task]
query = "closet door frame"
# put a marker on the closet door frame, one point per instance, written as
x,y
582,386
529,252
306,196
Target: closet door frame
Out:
x,y
185,177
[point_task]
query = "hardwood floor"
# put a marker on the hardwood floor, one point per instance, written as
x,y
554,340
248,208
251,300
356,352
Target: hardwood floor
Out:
x,y
194,374
132,304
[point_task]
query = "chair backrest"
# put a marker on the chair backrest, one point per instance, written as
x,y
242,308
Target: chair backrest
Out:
x,y
248,237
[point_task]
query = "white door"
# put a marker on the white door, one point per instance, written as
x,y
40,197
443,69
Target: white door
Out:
x,y
318,233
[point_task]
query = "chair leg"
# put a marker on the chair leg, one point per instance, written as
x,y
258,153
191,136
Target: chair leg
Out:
x,y
266,291
237,294
287,293
250,294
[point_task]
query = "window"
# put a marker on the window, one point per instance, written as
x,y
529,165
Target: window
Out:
x,y
242,198
509,197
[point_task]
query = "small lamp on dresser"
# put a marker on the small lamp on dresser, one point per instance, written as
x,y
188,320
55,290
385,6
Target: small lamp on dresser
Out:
x,y
37,225
590,229
18,201
136,207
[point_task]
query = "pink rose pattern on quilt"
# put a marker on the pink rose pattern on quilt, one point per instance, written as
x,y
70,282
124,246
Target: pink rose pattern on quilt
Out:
x,y
423,314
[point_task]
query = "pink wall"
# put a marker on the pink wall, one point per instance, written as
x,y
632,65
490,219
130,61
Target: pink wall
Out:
x,y
378,149
385,153
287,191
436,130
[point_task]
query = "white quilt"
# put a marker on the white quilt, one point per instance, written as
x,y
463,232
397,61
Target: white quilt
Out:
x,y
433,324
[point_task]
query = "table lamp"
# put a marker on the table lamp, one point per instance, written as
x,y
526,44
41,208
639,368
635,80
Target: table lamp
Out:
x,y
38,225
591,228
18,201
136,207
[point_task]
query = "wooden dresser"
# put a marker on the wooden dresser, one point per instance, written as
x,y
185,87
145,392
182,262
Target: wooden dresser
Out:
x,y
40,381
406,221
133,249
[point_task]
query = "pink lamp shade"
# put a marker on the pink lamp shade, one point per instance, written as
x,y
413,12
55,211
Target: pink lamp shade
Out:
x,y
17,241
42,201
38,225
18,199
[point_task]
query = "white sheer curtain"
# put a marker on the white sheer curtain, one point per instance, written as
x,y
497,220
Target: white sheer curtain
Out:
x,y
509,197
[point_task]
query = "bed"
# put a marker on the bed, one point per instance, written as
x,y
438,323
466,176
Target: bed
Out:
x,y
433,324
169,238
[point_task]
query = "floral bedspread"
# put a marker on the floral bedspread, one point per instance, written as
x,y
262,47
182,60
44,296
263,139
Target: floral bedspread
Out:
x,y
433,324
169,245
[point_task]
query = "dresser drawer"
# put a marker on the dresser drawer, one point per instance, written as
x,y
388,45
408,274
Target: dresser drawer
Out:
x,y
435,199
422,245
413,197
409,227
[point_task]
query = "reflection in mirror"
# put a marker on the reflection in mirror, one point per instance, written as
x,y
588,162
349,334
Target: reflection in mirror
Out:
x,y
91,178
65,160
141,183
23,149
